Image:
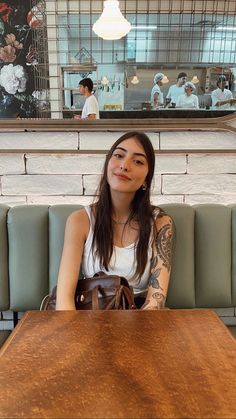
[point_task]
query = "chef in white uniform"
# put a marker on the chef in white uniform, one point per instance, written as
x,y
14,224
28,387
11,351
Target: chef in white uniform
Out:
x,y
222,98
157,99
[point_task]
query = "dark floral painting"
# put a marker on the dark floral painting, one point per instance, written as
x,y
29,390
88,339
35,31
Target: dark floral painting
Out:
x,y
18,57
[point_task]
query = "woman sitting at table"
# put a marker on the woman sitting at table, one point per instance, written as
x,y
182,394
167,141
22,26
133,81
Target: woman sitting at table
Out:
x,y
121,233
188,99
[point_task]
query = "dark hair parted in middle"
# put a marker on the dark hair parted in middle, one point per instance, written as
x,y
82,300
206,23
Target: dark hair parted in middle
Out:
x,y
141,209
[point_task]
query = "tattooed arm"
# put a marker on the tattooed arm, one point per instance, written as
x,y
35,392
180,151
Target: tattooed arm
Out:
x,y
160,264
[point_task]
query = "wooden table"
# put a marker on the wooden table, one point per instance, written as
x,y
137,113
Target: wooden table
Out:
x,y
119,364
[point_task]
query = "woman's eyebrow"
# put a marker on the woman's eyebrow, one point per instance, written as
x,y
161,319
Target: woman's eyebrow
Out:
x,y
134,154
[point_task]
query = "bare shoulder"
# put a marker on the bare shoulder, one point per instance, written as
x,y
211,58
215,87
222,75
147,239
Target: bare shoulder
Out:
x,y
78,221
164,220
78,216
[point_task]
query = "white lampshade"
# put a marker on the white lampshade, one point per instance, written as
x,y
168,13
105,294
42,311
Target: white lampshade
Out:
x,y
135,80
111,24
195,80
165,80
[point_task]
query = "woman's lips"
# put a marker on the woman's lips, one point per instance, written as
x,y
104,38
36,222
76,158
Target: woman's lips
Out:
x,y
122,177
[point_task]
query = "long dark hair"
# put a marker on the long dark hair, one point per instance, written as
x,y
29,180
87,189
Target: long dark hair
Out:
x,y
141,209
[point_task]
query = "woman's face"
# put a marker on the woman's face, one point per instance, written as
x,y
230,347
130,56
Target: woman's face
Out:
x,y
128,167
188,90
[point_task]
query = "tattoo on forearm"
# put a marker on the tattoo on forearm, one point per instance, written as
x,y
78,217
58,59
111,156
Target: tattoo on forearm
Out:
x,y
145,304
160,299
164,245
159,303
153,281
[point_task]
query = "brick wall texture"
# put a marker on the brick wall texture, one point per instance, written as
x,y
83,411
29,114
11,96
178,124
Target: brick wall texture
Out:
x,y
65,167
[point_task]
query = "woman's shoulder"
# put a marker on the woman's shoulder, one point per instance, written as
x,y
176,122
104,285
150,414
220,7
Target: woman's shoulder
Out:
x,y
79,220
157,212
161,217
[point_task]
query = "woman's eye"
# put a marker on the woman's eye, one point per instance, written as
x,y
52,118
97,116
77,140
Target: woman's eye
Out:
x,y
138,162
118,155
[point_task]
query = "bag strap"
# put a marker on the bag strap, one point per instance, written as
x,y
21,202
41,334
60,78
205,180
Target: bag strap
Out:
x,y
95,303
95,300
129,297
123,297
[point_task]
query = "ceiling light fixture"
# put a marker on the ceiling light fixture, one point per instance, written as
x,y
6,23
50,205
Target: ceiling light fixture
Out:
x,y
135,80
226,28
165,80
111,24
195,80
142,27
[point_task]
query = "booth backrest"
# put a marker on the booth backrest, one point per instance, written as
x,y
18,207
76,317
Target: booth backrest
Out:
x,y
204,265
4,277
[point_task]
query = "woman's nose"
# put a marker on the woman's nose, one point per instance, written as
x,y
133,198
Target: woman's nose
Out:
x,y
124,165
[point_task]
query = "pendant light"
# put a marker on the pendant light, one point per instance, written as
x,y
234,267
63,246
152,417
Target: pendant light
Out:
x,y
195,80
111,24
135,80
165,79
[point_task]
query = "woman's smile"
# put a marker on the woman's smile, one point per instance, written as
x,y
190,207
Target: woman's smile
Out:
x,y
122,176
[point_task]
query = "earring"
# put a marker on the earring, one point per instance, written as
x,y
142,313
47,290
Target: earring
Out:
x,y
144,187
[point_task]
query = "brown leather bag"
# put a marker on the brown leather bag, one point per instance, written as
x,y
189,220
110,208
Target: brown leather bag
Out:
x,y
102,292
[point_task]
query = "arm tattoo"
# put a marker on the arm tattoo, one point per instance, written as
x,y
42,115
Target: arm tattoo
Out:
x,y
163,243
153,281
145,304
160,299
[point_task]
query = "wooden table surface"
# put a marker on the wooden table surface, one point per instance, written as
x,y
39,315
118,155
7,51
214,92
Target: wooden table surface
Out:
x,y
119,364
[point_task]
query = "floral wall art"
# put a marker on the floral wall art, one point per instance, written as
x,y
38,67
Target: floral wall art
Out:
x,y
19,20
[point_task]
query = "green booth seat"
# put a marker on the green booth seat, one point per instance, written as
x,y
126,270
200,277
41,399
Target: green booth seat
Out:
x,y
4,279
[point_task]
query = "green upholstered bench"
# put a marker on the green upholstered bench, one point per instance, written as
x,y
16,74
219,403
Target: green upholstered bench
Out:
x,y
204,266
4,277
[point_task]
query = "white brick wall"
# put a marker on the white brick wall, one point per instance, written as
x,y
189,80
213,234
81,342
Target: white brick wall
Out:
x,y
209,199
64,164
55,200
167,199
207,163
12,164
41,185
104,140
156,185
197,140
39,140
13,200
90,183
171,163
199,184
58,173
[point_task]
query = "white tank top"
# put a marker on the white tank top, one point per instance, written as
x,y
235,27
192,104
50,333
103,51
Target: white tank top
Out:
x,y
122,262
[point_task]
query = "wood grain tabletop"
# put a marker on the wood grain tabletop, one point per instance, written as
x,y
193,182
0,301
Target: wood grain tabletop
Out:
x,y
119,364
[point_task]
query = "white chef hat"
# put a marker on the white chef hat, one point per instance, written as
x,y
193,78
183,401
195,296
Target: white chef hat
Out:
x,y
158,77
190,84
